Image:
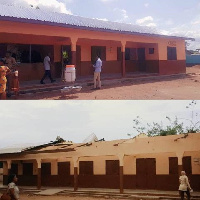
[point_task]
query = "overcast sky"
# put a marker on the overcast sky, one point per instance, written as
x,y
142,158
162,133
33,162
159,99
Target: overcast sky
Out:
x,y
173,17
35,122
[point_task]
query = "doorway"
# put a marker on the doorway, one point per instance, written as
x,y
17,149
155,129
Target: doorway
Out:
x,y
141,59
146,173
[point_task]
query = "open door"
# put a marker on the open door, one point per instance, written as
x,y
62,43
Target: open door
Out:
x,y
141,59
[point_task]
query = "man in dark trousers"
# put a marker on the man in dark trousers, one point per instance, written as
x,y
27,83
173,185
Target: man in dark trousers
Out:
x,y
47,67
97,73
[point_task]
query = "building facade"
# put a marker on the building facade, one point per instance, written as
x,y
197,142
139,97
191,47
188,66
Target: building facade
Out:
x,y
30,34
139,163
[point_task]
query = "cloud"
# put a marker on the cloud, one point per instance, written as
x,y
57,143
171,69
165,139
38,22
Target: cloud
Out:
x,y
146,5
50,5
123,15
146,21
107,1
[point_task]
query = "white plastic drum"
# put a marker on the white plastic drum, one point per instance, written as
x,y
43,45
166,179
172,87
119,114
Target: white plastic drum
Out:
x,y
70,73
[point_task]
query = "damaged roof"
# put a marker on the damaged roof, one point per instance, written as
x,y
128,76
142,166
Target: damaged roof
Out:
x,y
39,16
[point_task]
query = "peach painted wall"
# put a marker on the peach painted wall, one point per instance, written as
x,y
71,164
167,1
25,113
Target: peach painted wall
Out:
x,y
156,147
146,46
179,44
111,49
99,163
74,34
195,161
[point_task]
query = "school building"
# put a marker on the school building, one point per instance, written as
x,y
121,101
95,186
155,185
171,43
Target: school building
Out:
x,y
139,163
124,48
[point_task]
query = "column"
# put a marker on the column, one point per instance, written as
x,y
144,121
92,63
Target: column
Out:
x,y
54,167
121,173
123,61
9,163
75,161
20,168
180,162
39,179
73,50
6,171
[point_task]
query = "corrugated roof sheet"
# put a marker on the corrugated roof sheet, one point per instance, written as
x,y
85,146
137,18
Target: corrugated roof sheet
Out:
x,y
32,15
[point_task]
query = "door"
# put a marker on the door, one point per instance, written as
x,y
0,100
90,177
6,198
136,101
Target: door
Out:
x,y
64,174
187,166
146,173
141,59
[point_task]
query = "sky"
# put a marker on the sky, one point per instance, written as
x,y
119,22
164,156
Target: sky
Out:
x,y
38,122
171,17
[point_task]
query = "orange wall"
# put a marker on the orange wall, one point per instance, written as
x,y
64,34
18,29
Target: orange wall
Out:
x,y
179,44
127,151
74,34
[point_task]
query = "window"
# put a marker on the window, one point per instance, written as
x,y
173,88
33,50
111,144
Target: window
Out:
x,y
27,169
14,168
1,164
98,51
130,54
119,53
171,53
46,169
24,53
151,50
112,167
127,54
86,168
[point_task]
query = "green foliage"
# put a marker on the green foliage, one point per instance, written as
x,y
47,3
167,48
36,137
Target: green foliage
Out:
x,y
173,127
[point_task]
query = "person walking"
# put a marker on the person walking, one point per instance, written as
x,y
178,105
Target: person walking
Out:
x,y
4,71
47,67
97,73
184,186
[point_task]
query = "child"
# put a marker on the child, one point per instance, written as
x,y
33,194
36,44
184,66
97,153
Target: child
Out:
x,y
4,70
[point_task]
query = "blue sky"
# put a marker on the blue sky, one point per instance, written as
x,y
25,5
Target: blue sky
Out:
x,y
172,17
36,122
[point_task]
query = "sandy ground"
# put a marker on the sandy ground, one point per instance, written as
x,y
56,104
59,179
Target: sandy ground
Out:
x,y
33,197
166,88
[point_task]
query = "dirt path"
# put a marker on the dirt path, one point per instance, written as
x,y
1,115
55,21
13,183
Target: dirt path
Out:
x,y
166,88
33,197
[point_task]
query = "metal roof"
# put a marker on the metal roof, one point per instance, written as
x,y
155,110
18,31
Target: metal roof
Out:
x,y
39,16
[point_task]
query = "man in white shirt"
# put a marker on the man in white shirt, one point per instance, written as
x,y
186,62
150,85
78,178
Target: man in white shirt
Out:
x,y
184,186
47,67
97,73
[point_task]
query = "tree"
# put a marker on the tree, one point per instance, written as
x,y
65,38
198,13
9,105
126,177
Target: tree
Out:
x,y
173,127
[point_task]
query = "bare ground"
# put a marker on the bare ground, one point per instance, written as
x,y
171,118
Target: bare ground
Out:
x,y
163,88
34,197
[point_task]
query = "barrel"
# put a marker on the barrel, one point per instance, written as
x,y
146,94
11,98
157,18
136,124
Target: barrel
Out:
x,y
70,73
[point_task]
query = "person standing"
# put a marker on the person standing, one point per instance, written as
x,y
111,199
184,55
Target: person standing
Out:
x,y
184,186
4,70
11,63
47,67
12,187
97,73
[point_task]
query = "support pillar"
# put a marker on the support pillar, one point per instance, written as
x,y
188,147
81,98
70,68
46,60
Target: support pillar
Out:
x,y
20,168
75,174
39,178
123,61
180,162
121,173
73,50
9,163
